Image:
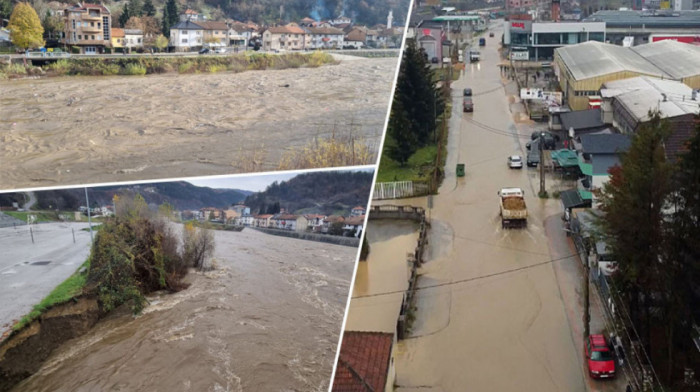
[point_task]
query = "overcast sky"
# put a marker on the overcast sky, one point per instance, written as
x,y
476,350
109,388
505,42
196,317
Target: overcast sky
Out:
x,y
255,183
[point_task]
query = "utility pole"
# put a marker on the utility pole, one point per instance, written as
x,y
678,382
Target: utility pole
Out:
x,y
542,187
87,203
586,295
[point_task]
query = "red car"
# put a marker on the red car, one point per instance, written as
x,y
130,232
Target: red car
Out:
x,y
601,363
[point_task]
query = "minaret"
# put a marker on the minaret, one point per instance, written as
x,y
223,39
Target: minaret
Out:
x,y
389,19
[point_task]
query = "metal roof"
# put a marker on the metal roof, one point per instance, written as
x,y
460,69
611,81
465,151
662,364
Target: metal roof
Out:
x,y
604,143
641,94
678,59
591,59
647,19
581,119
603,162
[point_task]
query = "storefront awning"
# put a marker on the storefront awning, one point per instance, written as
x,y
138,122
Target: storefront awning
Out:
x,y
573,198
586,168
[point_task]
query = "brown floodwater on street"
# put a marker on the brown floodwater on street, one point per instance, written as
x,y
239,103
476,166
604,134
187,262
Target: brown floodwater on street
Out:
x,y
75,130
267,319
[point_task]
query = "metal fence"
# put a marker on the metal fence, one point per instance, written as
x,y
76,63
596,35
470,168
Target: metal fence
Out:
x,y
399,189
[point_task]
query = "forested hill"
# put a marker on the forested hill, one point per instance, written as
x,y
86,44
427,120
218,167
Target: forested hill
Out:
x,y
366,12
182,195
318,192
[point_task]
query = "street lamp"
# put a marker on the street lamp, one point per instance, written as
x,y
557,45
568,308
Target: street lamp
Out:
x,y
542,187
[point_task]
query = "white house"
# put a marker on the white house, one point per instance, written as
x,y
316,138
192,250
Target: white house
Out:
x,y
357,211
356,38
341,20
133,38
354,225
186,35
314,222
325,37
262,220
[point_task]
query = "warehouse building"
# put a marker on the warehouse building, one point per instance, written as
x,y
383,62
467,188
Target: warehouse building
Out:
x,y
649,26
582,69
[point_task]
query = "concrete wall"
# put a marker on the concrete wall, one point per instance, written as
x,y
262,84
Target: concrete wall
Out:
x,y
332,239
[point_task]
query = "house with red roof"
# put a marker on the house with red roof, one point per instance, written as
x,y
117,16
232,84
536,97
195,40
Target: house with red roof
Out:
x,y
365,363
288,37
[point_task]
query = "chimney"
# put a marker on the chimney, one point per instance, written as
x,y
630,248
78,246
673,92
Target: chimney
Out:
x,y
556,12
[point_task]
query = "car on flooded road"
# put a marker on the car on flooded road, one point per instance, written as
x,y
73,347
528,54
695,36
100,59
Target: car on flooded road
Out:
x,y
599,357
468,105
515,162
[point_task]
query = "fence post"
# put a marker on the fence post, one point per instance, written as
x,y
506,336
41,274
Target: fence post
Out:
x,y
73,230
31,232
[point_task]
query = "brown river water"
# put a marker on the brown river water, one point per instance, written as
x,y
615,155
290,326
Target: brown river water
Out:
x,y
267,319
74,130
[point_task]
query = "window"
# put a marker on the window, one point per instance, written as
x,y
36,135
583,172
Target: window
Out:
x,y
139,40
79,36
74,38
99,24
184,40
92,24
73,24
92,36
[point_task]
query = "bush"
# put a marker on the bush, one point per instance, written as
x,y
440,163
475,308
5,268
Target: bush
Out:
x,y
16,69
216,68
185,67
330,152
198,244
60,67
134,69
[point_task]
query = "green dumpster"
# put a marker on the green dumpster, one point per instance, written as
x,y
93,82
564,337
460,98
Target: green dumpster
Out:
x,y
460,170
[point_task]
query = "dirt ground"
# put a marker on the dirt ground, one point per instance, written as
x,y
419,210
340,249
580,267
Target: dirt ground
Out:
x,y
267,319
75,130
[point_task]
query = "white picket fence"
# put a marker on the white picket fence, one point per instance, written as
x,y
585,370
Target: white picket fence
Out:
x,y
398,189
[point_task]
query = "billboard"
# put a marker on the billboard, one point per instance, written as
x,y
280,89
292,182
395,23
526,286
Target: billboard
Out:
x,y
552,98
520,55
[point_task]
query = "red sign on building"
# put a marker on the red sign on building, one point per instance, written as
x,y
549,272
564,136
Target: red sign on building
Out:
x,y
518,25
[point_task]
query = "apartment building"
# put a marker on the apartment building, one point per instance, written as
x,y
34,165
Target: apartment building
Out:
x,y
87,27
289,37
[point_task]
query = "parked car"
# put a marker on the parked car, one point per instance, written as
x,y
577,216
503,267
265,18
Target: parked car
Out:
x,y
533,156
468,104
550,140
467,92
434,60
491,34
482,41
204,51
601,363
515,162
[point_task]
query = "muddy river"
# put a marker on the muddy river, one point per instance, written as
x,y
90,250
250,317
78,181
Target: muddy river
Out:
x,y
267,319
71,130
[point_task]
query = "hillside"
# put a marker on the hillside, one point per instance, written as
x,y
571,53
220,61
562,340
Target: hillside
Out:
x,y
319,192
182,195
364,12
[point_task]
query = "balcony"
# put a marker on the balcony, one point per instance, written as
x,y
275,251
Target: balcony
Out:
x,y
90,17
91,29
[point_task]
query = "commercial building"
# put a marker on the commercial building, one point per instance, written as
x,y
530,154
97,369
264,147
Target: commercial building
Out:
x,y
429,37
537,40
582,69
649,26
87,27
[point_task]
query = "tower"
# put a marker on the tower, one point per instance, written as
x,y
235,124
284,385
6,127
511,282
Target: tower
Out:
x,y
389,19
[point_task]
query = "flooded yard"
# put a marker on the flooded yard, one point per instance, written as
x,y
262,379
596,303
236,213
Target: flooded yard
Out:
x,y
73,130
268,318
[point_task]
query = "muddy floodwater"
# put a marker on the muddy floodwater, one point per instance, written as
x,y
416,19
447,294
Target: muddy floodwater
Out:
x,y
72,130
267,319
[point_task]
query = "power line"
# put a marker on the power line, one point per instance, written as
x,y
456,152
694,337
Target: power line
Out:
x,y
469,279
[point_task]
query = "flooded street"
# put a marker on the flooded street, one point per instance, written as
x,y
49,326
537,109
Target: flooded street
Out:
x,y
490,311
268,318
72,130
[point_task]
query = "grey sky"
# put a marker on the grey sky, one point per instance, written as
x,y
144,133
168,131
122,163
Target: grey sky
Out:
x,y
255,183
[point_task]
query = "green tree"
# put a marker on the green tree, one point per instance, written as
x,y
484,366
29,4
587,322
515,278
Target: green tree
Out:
x,y
148,8
336,228
633,201
161,42
53,25
170,16
5,9
682,262
26,27
135,8
125,15
402,141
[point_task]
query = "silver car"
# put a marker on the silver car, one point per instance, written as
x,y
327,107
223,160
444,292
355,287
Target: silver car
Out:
x,y
515,162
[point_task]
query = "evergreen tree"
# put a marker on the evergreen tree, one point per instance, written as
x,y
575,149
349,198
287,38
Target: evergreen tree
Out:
x,y
633,201
135,8
682,263
148,8
403,142
25,26
5,9
124,17
170,16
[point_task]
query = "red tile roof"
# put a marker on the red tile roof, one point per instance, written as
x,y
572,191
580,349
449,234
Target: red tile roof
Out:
x,y
117,32
355,220
363,364
286,30
359,208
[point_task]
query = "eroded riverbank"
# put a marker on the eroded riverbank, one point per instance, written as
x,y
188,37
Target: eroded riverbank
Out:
x,y
74,130
267,319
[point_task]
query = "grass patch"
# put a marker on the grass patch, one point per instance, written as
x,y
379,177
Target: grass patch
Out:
x,y
329,152
440,74
41,216
418,168
64,292
134,69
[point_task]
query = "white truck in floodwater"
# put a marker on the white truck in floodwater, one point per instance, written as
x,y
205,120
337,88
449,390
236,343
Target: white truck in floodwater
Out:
x,y
513,209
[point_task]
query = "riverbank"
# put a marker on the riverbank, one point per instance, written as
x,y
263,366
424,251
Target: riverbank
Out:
x,y
147,65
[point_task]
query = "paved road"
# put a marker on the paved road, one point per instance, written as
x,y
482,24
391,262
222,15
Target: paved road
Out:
x,y
25,276
506,332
